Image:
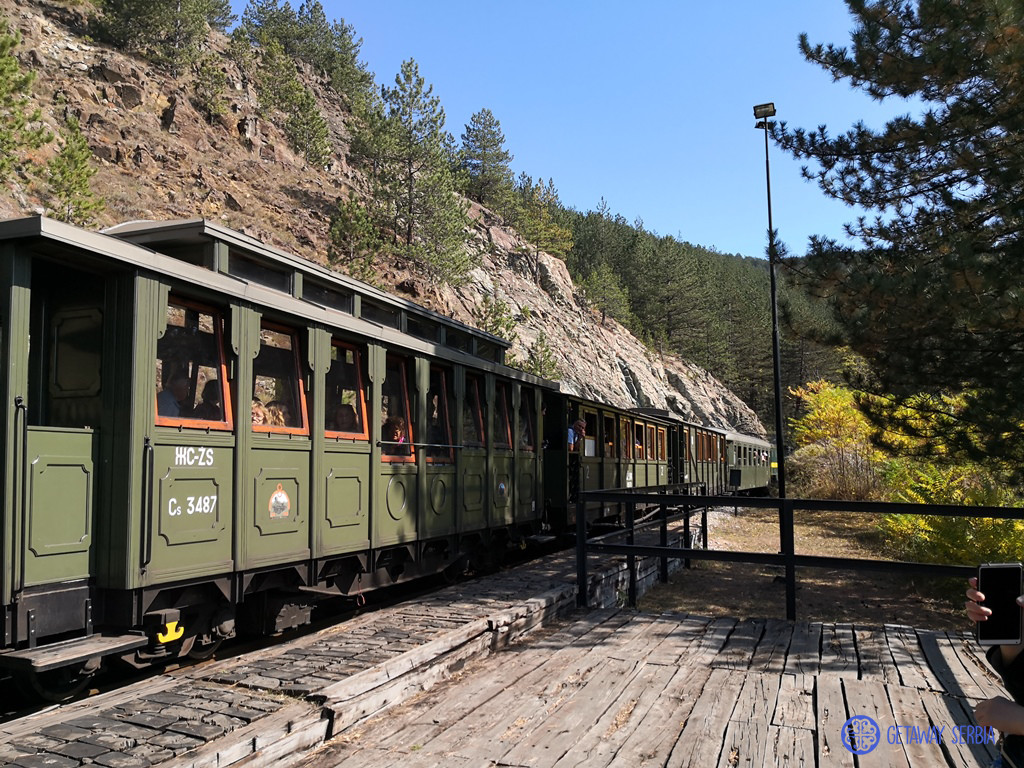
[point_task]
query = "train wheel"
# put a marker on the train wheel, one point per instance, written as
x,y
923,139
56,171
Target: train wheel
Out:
x,y
57,685
201,651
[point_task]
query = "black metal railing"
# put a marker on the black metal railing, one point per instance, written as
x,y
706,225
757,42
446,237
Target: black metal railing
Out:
x,y
684,504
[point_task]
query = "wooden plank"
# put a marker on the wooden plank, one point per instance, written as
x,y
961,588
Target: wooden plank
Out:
x,y
945,664
911,665
794,707
770,655
830,705
909,710
494,683
789,748
838,651
869,697
804,656
653,739
739,648
971,656
746,738
953,712
874,659
700,743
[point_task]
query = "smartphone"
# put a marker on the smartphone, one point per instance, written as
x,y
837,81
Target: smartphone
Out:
x,y
1001,583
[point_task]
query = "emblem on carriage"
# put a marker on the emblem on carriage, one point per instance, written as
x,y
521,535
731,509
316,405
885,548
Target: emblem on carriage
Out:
x,y
280,505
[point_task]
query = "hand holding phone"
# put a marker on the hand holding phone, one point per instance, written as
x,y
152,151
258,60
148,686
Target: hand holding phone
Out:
x,y
1001,584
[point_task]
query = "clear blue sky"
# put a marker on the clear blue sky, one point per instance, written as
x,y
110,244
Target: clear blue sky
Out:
x,y
647,104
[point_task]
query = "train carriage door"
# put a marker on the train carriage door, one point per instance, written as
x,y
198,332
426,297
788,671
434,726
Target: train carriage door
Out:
x,y
639,454
343,525
527,456
473,456
57,428
278,463
502,510
592,460
395,519
191,462
439,518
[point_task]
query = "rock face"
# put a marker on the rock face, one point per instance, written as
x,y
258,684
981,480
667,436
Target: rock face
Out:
x,y
157,158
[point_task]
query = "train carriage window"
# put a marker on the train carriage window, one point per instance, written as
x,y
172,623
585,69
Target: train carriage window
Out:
x,y
638,442
345,412
651,455
590,439
527,429
608,424
278,395
502,429
662,449
396,437
625,439
472,413
191,375
440,407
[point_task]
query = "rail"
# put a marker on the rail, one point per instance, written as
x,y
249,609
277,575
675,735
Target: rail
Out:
x,y
787,555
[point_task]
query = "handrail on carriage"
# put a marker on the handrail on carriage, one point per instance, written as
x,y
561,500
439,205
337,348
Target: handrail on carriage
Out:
x,y
786,557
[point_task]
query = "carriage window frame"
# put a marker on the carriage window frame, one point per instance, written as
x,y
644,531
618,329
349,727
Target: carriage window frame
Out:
x,y
337,434
625,438
446,403
300,384
649,434
639,450
590,437
473,408
228,423
399,458
502,422
608,435
527,414
662,444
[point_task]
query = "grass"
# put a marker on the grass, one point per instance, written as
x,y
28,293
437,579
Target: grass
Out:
x,y
755,591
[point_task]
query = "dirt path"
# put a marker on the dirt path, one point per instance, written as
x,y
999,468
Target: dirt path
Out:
x,y
753,591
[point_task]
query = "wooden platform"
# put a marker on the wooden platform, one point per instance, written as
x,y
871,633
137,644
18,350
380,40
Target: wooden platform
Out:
x,y
617,688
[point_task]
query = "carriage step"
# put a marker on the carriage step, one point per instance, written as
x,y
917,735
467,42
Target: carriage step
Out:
x,y
47,657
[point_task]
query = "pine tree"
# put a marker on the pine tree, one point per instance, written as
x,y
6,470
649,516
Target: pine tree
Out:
x,y
19,128
68,175
932,297
401,141
486,161
306,129
536,221
168,33
208,88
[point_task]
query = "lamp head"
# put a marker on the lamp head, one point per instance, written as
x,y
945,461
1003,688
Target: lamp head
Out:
x,y
762,111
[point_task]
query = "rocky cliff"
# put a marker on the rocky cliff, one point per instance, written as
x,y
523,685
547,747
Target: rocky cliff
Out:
x,y
159,159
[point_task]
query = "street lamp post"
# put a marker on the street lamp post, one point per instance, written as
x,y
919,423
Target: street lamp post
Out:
x,y
761,113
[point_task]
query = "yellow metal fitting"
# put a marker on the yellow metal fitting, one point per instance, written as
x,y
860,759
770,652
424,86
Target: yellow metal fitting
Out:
x,y
174,632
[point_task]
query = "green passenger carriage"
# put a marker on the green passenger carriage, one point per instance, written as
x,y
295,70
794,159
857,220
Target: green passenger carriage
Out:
x,y
203,435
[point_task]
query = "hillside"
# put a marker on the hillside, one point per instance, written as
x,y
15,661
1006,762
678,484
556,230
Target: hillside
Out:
x,y
157,158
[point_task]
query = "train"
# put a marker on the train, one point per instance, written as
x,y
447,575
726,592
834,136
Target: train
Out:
x,y
204,436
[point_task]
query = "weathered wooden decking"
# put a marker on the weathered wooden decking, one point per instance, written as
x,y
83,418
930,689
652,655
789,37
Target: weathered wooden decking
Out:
x,y
617,688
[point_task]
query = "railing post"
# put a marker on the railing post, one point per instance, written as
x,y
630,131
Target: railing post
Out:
x,y
687,542
631,558
787,541
582,585
663,512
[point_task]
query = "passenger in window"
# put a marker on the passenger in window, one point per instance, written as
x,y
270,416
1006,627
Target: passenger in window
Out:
x,y
577,433
259,413
279,414
345,419
393,437
209,409
173,400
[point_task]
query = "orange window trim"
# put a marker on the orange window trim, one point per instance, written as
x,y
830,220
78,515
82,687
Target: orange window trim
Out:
x,y
365,434
391,459
228,424
304,429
